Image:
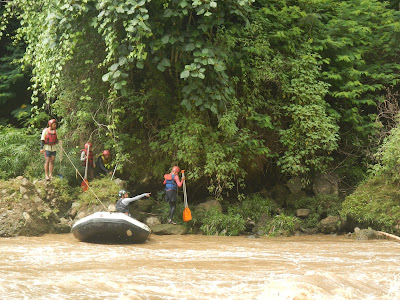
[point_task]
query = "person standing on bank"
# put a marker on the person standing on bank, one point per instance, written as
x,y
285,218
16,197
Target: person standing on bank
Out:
x,y
85,156
103,163
122,205
172,183
48,143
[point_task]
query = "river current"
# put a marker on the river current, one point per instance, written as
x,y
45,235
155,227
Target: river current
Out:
x,y
200,267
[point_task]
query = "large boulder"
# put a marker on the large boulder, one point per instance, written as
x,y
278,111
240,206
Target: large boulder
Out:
x,y
326,184
213,203
168,229
330,224
279,193
294,185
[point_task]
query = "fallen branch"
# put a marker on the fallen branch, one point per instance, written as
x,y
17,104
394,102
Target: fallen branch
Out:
x,y
389,235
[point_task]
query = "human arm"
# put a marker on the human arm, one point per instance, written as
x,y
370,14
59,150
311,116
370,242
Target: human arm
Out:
x,y
83,156
179,183
126,201
42,140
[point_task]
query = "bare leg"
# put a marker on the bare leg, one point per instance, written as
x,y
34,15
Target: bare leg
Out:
x,y
51,166
46,167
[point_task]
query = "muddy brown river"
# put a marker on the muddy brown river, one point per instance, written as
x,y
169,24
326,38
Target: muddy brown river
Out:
x,y
200,267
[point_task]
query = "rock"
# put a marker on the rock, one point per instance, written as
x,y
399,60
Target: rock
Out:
x,y
279,194
302,213
365,234
326,184
209,204
111,208
80,215
26,216
25,182
168,229
120,182
329,225
144,204
152,221
23,190
294,185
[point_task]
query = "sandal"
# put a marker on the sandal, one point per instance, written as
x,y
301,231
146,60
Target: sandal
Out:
x,y
172,222
47,178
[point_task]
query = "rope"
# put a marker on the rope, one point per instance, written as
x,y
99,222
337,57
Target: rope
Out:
x,y
185,194
66,154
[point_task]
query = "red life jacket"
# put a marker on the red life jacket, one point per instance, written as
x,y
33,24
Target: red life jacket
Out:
x,y
50,137
90,160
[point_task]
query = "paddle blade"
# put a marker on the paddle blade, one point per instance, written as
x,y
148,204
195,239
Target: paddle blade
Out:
x,y
187,214
85,185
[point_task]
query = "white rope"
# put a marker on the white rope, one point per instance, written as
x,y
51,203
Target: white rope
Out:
x,y
66,154
184,192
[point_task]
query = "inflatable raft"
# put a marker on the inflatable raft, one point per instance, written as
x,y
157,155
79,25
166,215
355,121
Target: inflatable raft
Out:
x,y
107,228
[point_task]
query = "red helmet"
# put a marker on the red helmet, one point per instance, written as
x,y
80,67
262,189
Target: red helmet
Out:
x,y
176,169
106,152
87,145
52,121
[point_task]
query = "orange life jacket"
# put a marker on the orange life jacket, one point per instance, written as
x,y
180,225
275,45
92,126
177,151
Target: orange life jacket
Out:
x,y
50,137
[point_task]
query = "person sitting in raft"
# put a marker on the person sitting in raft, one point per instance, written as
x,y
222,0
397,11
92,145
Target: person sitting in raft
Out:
x,y
85,156
122,205
103,163
172,183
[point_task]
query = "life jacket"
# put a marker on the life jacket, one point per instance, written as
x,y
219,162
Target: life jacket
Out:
x,y
106,162
170,183
90,160
50,137
120,207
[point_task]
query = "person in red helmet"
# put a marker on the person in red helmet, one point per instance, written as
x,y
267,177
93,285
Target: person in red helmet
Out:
x,y
87,155
48,147
172,183
104,163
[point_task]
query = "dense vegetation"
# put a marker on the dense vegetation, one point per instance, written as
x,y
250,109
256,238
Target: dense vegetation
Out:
x,y
238,92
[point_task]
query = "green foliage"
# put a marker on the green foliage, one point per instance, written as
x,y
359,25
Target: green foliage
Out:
x,y
281,225
253,207
375,203
222,88
101,191
19,150
388,158
64,191
215,222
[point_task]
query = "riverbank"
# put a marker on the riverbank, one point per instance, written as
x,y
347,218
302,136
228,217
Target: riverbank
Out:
x,y
34,208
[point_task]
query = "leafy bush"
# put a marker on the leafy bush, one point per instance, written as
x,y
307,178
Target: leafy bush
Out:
x,y
281,225
253,207
19,151
101,191
375,203
215,222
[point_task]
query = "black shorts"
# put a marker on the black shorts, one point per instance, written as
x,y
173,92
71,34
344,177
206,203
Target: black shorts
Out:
x,y
170,196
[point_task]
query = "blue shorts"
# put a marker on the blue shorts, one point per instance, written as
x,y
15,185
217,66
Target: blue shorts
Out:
x,y
50,153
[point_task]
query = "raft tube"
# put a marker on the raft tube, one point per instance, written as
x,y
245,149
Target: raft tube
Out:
x,y
110,228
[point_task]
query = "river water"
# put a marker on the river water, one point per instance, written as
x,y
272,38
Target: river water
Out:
x,y
200,267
